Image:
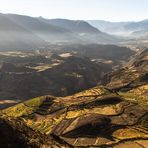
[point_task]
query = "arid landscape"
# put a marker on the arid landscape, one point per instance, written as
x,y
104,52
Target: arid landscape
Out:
x,y
67,83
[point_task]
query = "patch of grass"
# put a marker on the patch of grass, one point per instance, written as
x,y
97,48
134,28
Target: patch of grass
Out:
x,y
35,102
24,108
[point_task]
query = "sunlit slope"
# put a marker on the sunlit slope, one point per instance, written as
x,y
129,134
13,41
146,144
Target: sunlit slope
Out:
x,y
115,115
94,117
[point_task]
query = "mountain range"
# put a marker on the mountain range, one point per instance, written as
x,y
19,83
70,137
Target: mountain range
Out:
x,y
133,29
20,32
24,32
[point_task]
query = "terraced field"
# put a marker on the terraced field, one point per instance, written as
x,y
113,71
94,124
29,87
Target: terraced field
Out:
x,y
96,117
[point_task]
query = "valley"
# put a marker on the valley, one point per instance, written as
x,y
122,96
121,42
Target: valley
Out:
x,y
63,71
73,83
115,115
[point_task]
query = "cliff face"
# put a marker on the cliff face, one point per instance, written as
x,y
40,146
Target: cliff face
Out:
x,y
115,115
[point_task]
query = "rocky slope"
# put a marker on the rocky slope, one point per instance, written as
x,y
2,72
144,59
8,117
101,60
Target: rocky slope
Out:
x,y
83,30
104,116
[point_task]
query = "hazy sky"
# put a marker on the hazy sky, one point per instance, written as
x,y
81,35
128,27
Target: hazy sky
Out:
x,y
111,10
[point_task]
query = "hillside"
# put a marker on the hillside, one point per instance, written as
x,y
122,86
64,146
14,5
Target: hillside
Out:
x,y
63,71
55,75
78,26
47,32
115,115
14,37
143,33
109,27
141,25
83,29
110,54
134,70
131,81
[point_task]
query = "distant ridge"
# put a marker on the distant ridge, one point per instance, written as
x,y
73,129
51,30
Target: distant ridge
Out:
x,y
25,32
122,28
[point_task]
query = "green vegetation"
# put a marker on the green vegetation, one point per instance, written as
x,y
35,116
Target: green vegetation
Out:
x,y
24,108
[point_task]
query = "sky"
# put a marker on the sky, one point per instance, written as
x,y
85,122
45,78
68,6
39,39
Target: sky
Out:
x,y
109,10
